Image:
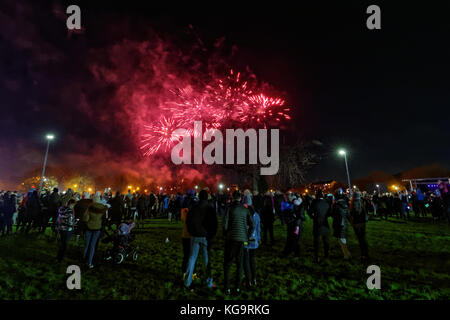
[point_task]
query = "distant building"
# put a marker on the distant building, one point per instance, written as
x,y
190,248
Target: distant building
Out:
x,y
426,184
326,187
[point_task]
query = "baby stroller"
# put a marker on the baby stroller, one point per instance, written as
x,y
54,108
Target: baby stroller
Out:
x,y
122,246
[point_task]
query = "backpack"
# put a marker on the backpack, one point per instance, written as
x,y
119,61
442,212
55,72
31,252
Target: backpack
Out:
x,y
357,206
342,211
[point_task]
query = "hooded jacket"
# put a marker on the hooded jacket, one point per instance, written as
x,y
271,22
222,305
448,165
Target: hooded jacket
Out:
x,y
420,196
340,215
54,202
94,216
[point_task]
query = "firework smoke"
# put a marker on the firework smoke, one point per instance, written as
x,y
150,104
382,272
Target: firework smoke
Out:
x,y
125,95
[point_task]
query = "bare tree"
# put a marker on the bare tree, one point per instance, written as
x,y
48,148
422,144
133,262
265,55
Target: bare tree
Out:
x,y
295,162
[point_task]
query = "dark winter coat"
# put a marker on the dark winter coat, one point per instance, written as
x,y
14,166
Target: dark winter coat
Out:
x,y
319,212
117,209
9,206
296,216
33,205
238,223
267,215
258,203
54,202
81,207
340,216
201,220
358,212
141,205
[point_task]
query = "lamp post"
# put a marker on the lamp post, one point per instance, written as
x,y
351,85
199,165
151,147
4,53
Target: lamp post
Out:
x,y
49,138
343,153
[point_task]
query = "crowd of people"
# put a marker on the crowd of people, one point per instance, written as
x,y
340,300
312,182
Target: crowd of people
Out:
x,y
246,219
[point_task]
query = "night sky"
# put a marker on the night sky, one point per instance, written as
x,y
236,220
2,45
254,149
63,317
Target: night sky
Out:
x,y
381,94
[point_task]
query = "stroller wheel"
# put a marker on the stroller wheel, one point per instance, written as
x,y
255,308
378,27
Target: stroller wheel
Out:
x,y
108,255
118,258
135,255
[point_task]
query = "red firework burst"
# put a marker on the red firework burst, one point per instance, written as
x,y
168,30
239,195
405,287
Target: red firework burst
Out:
x,y
264,111
230,94
227,101
160,136
188,106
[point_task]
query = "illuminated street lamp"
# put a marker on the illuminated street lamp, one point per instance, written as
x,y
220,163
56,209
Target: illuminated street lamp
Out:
x,y
343,153
196,187
49,138
221,186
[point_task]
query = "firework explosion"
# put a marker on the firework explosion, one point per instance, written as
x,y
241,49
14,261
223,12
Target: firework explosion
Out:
x,y
226,102
160,135
263,111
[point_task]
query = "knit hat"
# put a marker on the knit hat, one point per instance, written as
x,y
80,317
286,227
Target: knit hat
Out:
x,y
97,198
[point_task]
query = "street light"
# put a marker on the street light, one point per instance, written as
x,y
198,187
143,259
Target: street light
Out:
x,y
343,153
220,186
49,137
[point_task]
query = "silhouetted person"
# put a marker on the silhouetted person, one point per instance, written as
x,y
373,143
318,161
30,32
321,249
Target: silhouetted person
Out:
x,y
319,212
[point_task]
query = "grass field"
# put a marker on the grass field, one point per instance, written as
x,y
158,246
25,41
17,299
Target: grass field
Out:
x,y
414,258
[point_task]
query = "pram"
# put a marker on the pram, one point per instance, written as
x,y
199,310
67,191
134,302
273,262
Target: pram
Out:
x,y
122,247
